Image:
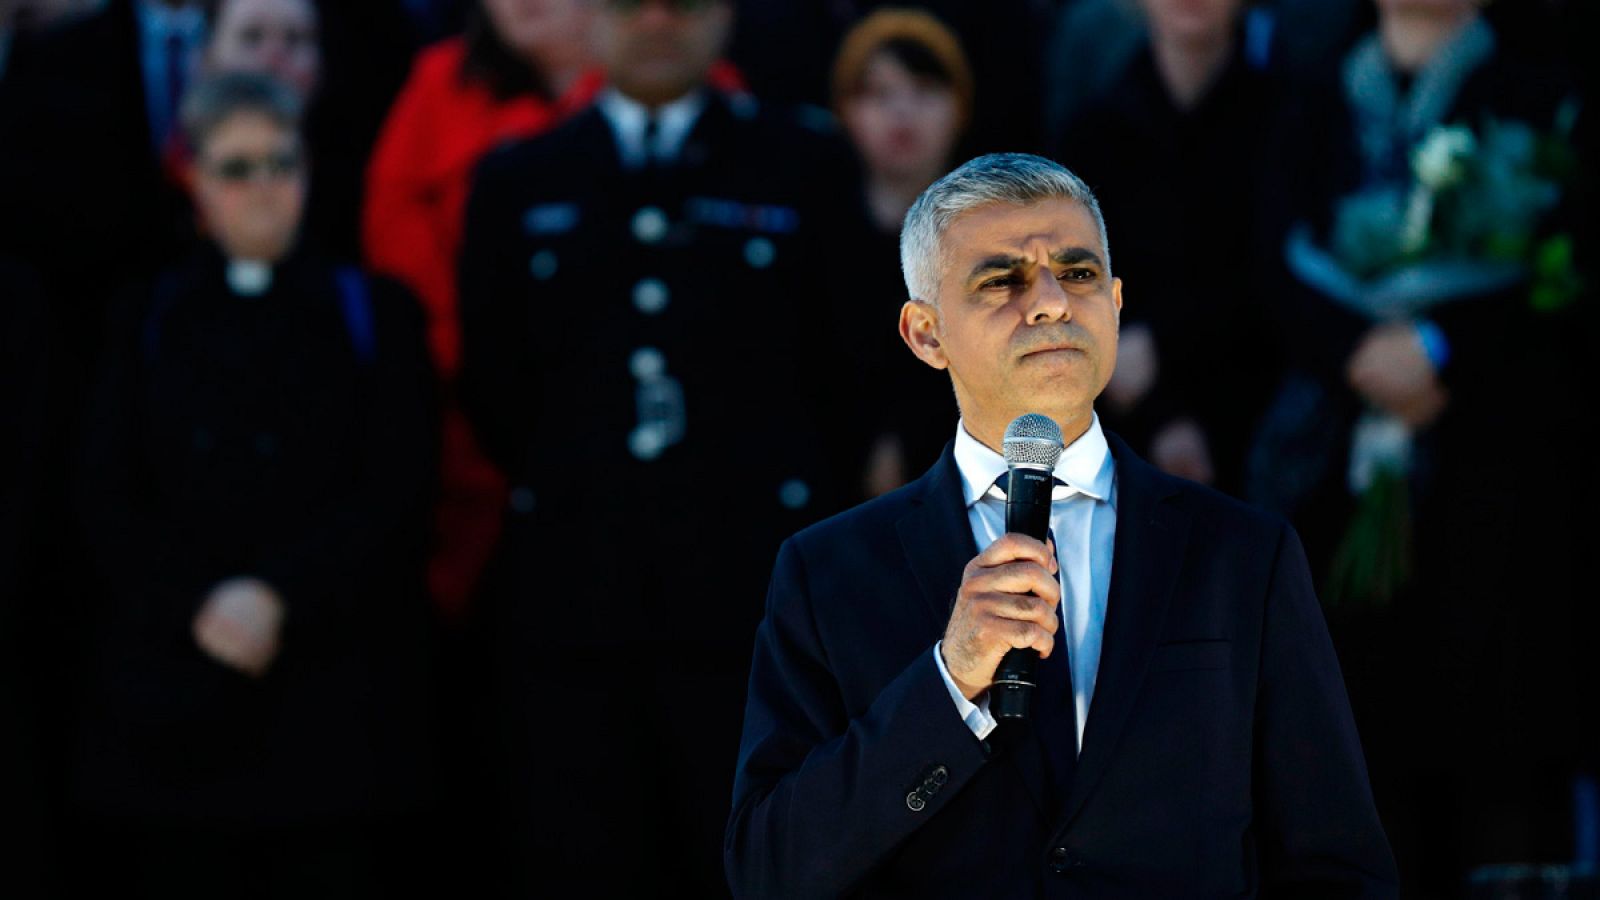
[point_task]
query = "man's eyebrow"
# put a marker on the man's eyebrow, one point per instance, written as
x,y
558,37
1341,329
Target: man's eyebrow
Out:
x,y
1073,255
1005,263
997,263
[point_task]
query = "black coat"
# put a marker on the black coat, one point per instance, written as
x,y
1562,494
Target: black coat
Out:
x,y
250,436
1219,757
889,391
553,265
632,580
1179,191
86,201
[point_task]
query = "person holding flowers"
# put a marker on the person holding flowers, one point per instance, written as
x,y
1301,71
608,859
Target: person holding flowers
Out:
x,y
1431,302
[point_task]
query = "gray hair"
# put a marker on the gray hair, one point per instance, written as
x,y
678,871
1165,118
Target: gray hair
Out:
x,y
1019,178
212,101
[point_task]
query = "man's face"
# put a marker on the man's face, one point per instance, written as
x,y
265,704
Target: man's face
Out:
x,y
250,186
655,51
277,37
1026,318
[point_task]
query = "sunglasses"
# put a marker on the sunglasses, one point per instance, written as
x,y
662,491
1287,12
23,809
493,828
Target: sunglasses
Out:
x,y
628,7
240,169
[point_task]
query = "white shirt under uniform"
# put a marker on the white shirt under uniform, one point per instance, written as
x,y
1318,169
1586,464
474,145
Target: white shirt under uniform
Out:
x,y
1083,516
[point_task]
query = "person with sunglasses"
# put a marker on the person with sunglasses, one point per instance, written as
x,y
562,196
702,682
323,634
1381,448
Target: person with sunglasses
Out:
x,y
642,293
254,494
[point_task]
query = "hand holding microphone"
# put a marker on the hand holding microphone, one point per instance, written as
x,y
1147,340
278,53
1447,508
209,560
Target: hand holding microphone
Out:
x,y
1005,614
1007,601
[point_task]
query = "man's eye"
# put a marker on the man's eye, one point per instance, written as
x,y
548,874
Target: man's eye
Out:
x,y
1002,281
1077,275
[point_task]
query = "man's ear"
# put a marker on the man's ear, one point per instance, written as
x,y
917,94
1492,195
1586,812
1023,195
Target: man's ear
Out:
x,y
1116,297
919,328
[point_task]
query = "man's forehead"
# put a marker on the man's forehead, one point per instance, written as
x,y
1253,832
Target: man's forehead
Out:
x,y
1010,227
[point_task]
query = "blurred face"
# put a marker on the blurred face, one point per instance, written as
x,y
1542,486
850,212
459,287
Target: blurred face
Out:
x,y
540,30
655,51
1192,21
277,37
250,187
1027,315
903,125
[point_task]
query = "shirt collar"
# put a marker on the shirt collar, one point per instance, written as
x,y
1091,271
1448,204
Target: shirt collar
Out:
x,y
1085,465
627,117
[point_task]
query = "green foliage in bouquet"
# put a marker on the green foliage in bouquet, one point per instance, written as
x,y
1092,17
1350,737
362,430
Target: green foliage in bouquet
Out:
x,y
1373,561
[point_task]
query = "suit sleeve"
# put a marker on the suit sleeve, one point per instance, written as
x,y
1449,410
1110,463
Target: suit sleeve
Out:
x,y
1319,829
821,798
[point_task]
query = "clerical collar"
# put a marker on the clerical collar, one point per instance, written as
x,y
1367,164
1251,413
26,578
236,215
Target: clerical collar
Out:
x,y
1085,465
249,277
630,121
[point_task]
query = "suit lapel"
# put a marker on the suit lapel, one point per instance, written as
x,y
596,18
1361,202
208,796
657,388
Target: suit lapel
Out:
x,y
1146,557
938,538
938,542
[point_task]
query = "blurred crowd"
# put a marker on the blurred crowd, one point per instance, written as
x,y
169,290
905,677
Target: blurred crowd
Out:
x,y
404,399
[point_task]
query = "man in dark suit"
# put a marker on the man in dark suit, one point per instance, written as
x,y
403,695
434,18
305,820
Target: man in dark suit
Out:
x,y
1190,735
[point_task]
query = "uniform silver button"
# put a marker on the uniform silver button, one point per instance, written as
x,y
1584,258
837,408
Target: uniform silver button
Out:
x,y
650,296
646,442
759,252
543,265
916,802
649,224
647,363
794,494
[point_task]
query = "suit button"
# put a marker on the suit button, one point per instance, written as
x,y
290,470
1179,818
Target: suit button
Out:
x,y
916,802
939,776
1061,859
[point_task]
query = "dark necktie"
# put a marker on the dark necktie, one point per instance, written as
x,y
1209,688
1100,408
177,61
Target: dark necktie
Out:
x,y
650,139
1055,716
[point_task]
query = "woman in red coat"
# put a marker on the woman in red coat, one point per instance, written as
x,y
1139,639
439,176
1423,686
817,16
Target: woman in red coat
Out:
x,y
517,71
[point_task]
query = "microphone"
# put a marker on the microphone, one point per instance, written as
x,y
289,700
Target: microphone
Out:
x,y
1032,446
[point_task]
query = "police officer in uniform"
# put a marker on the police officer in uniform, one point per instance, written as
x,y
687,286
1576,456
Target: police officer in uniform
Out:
x,y
643,336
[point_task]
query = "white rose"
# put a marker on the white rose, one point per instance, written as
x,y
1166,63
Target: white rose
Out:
x,y
1438,161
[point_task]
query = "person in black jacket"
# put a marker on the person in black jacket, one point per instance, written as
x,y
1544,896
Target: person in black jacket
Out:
x,y
1189,733
1467,671
1176,148
644,329
254,492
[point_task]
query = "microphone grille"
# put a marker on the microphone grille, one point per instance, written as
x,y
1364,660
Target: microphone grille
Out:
x,y
1033,440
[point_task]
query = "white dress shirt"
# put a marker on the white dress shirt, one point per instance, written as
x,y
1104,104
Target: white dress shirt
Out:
x,y
629,118
1083,516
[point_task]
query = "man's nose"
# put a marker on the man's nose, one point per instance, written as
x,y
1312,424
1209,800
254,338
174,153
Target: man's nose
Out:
x,y
1046,300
